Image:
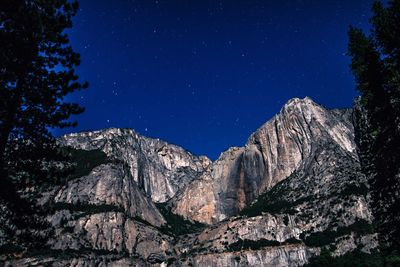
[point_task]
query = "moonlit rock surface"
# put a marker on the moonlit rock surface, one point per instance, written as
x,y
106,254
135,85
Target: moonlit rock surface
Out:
x,y
276,150
305,155
112,185
159,168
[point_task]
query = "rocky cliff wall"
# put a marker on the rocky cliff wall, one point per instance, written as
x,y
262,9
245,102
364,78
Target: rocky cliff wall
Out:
x,y
294,188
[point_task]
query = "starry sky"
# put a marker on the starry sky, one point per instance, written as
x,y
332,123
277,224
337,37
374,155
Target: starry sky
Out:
x,y
205,74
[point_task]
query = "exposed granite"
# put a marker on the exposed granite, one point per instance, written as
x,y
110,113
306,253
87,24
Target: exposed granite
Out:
x,y
276,150
296,176
110,184
159,168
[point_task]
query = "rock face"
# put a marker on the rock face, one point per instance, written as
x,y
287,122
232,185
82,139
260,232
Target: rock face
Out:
x,y
113,185
109,231
159,168
282,257
295,187
276,150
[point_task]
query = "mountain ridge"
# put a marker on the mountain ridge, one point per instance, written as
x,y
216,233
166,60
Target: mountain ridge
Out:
x,y
294,188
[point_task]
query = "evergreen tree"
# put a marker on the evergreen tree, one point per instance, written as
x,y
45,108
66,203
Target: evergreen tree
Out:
x,y
376,66
37,70
36,73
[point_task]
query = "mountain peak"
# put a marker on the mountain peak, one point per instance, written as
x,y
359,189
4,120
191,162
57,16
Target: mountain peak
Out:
x,y
297,175
106,133
273,152
299,102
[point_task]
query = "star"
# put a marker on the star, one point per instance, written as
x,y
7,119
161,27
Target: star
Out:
x,y
151,60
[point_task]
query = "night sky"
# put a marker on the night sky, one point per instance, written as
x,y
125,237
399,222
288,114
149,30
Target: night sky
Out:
x,y
206,74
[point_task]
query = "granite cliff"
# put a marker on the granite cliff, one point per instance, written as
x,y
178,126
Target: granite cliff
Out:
x,y
293,189
277,149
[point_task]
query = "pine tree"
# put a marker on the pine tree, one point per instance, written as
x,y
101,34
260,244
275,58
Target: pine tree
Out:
x,y
36,72
376,66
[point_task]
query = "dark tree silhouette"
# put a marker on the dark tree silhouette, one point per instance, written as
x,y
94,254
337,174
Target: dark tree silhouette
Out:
x,y
36,73
37,70
376,66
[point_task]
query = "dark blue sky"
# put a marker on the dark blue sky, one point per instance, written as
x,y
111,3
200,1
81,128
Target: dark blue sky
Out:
x,y
205,74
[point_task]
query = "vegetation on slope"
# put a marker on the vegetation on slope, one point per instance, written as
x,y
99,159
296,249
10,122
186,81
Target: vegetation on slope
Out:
x,y
176,224
319,239
355,258
271,202
84,161
245,244
86,208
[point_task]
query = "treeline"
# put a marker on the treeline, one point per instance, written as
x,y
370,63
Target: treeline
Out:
x,y
376,67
